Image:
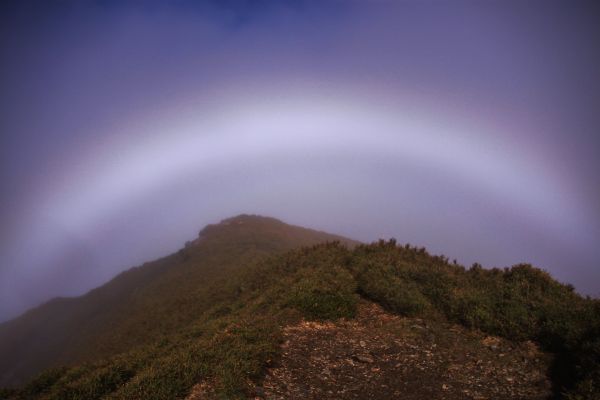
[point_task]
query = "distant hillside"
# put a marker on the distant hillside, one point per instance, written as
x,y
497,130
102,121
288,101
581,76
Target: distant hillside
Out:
x,y
144,302
229,316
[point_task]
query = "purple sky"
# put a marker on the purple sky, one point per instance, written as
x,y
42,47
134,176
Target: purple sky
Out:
x,y
470,128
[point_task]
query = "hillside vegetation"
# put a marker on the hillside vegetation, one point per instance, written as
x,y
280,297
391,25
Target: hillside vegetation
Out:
x,y
143,304
215,312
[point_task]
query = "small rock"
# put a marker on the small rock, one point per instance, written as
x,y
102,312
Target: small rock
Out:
x,y
364,358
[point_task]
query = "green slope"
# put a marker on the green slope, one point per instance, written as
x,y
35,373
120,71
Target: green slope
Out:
x,y
214,312
142,303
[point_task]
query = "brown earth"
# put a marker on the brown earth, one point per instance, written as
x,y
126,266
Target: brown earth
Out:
x,y
383,356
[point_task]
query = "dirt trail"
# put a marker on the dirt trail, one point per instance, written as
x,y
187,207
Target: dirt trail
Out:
x,y
383,356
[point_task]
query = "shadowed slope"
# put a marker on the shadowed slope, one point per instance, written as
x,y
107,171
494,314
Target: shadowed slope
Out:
x,y
143,303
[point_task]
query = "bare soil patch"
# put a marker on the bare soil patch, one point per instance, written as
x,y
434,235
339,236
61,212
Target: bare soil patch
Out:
x,y
381,356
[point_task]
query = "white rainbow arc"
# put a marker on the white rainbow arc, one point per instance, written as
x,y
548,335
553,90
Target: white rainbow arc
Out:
x,y
244,132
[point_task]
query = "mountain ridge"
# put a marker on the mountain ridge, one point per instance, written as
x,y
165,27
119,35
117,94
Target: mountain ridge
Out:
x,y
252,234
214,316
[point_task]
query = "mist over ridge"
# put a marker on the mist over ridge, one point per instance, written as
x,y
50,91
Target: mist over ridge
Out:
x,y
470,129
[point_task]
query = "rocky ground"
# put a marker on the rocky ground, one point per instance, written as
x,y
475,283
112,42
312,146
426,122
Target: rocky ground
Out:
x,y
381,356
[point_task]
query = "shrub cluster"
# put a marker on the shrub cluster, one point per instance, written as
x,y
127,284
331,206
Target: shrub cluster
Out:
x,y
518,303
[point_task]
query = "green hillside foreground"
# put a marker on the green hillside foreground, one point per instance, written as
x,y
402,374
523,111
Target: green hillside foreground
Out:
x,y
215,312
143,304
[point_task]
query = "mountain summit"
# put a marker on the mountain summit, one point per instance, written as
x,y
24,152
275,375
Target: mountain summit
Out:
x,y
254,307
144,302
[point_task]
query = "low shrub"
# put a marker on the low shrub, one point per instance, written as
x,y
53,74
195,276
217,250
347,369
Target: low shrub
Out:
x,y
323,293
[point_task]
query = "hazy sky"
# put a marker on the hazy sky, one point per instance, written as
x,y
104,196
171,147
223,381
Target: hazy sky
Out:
x,y
471,128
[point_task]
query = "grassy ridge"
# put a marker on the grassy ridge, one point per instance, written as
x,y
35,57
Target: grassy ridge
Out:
x,y
519,303
235,337
144,304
